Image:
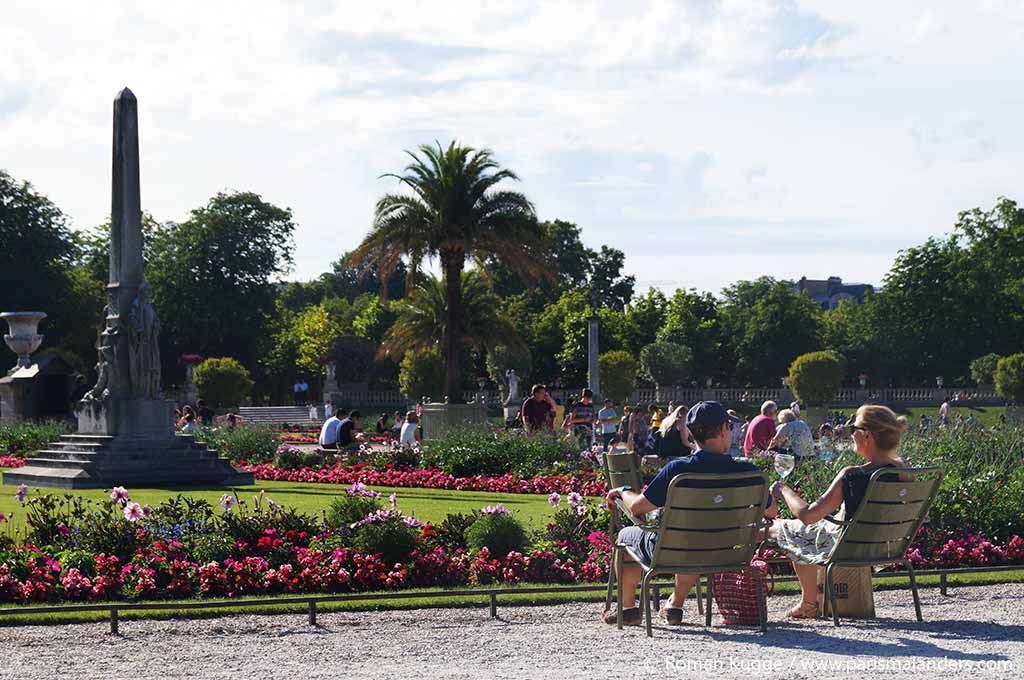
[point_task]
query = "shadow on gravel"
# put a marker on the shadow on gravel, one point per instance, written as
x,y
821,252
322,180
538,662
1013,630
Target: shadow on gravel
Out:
x,y
802,638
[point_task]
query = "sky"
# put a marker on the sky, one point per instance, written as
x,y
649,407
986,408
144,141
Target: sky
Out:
x,y
710,141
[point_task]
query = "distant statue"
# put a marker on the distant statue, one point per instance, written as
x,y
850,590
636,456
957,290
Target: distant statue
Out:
x,y
513,386
143,348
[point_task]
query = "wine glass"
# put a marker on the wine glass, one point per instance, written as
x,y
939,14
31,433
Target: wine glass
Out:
x,y
784,464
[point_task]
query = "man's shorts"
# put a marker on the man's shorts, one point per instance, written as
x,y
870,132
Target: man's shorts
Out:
x,y
642,542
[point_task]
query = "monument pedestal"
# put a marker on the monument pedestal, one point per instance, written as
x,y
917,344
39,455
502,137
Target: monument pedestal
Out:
x,y
85,461
153,417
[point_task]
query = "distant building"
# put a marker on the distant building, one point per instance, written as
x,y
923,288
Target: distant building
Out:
x,y
830,292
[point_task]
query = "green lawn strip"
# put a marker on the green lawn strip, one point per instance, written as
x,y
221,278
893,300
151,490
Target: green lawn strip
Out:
x,y
895,582
428,505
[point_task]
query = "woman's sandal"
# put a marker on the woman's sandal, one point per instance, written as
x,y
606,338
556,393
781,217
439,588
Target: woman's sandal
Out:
x,y
804,610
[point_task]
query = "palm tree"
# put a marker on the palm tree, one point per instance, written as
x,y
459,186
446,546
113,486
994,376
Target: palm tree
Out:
x,y
454,213
423,317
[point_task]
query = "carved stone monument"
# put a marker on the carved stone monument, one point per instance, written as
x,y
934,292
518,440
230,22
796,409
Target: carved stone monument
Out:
x,y
125,431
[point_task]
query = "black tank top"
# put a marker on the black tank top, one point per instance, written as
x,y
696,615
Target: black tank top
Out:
x,y
855,486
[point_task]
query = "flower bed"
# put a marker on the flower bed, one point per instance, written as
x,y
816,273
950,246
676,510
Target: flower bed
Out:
x,y
12,461
79,551
582,482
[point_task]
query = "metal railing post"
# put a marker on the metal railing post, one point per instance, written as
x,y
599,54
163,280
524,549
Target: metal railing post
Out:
x,y
113,621
312,612
494,605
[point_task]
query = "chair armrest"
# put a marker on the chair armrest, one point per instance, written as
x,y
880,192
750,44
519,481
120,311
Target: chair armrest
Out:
x,y
833,520
634,520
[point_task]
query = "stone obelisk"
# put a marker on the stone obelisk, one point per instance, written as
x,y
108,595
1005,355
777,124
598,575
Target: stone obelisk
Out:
x,y
125,429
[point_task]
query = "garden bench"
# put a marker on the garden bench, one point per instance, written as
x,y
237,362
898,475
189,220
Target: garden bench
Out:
x,y
885,524
708,528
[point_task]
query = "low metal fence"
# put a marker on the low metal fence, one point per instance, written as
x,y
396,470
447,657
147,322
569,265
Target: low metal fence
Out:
x,y
311,602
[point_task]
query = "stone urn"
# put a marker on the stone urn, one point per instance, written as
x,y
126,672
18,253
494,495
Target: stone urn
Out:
x,y
23,338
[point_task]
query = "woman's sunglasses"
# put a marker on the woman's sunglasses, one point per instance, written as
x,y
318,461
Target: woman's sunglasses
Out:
x,y
849,428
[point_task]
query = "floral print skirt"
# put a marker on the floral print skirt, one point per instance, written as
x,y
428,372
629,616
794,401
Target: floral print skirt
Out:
x,y
806,543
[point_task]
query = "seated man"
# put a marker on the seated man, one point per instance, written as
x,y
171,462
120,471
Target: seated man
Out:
x,y
349,434
329,431
711,428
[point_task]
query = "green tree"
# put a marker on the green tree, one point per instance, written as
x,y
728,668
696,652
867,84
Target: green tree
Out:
x,y
501,358
212,276
1009,377
608,286
456,214
647,314
666,363
375,320
764,327
691,320
316,333
618,374
422,318
353,357
422,372
983,368
814,377
38,257
223,381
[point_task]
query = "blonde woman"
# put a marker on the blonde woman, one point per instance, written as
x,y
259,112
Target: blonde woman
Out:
x,y
809,539
672,439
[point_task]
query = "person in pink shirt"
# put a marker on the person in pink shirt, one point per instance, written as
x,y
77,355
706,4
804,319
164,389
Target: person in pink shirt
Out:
x,y
761,429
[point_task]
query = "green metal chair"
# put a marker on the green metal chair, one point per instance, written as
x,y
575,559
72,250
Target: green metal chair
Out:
x,y
620,469
885,524
705,530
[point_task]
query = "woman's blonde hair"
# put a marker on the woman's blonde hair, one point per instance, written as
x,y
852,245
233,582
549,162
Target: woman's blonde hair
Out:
x,y
885,425
787,415
670,420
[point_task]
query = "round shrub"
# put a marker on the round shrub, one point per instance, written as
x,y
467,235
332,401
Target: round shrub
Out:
x,y
352,506
421,372
618,371
666,363
814,377
500,533
983,368
246,442
392,538
1009,377
223,381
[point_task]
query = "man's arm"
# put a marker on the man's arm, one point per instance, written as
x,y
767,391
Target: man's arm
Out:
x,y
637,503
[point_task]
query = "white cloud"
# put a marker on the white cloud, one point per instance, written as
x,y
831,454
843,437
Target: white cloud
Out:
x,y
722,126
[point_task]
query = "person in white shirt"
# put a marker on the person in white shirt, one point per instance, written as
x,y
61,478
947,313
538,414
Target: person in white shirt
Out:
x,y
328,409
793,434
411,435
329,431
944,412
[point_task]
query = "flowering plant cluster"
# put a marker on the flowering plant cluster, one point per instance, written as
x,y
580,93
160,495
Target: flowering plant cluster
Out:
x,y
582,482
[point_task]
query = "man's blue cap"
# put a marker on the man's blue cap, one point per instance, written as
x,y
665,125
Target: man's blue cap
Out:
x,y
707,415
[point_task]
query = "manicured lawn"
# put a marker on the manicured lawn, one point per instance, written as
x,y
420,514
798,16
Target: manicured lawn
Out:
x,y
429,505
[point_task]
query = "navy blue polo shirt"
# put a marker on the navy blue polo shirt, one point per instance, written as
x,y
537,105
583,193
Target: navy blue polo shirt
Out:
x,y
701,461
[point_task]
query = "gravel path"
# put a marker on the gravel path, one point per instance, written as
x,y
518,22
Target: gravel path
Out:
x,y
975,632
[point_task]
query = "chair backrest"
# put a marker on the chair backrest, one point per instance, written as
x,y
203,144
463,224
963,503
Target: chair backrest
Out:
x,y
621,469
710,522
894,507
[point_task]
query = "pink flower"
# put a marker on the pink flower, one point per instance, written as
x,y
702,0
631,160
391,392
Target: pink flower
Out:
x,y
575,499
22,492
3,517
498,509
133,512
227,501
554,499
119,494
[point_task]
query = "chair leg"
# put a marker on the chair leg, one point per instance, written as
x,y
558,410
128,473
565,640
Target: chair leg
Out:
x,y
762,602
913,589
647,601
831,593
700,598
618,579
611,580
707,607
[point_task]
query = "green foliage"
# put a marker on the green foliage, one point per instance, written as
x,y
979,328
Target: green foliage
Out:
x,y
450,533
373,322
691,320
983,369
464,452
421,373
246,442
815,377
223,381
391,538
213,276
764,327
501,358
500,533
214,547
23,438
353,357
666,363
349,508
618,375
1009,376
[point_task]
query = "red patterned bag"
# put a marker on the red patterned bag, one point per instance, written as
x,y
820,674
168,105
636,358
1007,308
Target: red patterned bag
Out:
x,y
735,594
